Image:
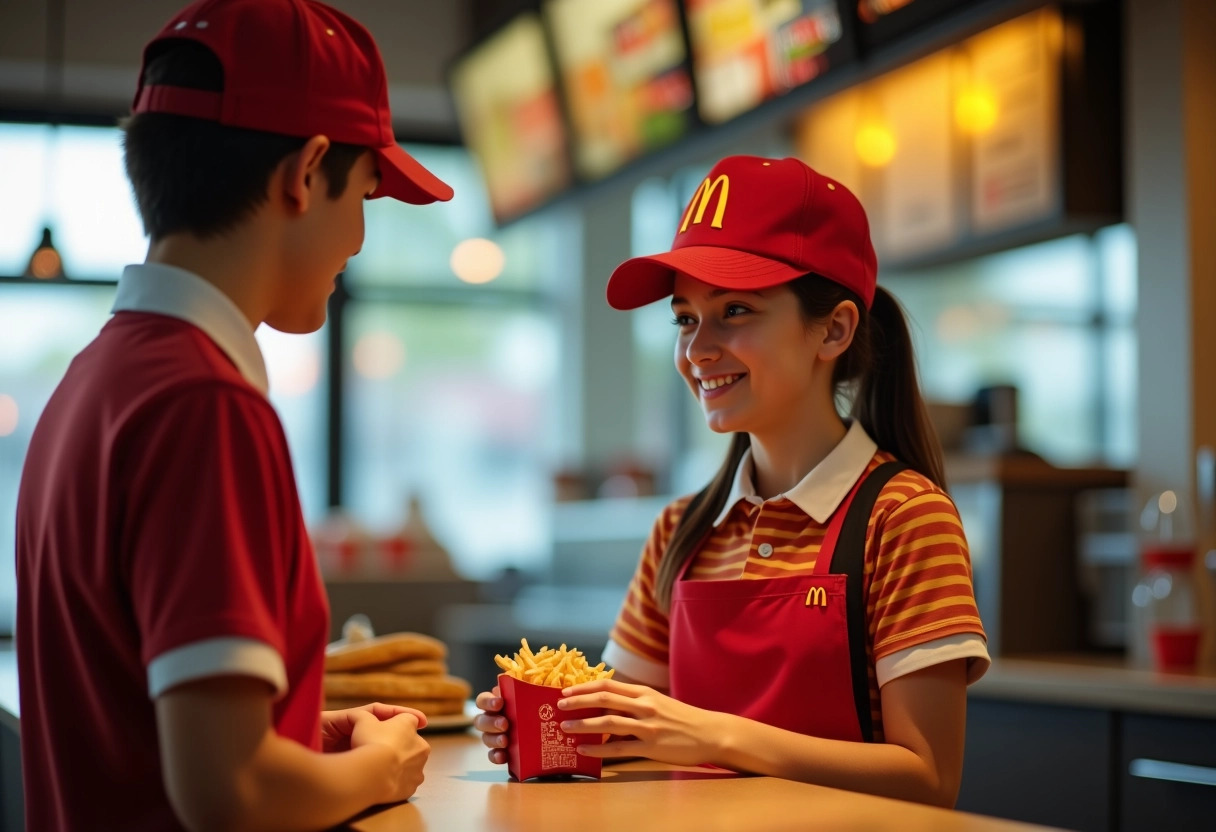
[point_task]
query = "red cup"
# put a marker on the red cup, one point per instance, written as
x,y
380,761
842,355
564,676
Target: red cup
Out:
x,y
536,744
1175,648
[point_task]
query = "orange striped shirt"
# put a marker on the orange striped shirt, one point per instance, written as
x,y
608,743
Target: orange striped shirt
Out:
x,y
917,568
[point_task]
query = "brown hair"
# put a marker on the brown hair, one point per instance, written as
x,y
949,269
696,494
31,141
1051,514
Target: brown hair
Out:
x,y
877,374
200,176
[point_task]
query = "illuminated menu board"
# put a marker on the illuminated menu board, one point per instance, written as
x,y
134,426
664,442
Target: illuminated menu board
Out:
x,y
624,69
507,103
748,51
959,146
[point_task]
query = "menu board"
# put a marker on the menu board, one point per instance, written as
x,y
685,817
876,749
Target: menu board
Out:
x,y
1016,164
823,139
748,51
919,195
506,101
971,141
625,74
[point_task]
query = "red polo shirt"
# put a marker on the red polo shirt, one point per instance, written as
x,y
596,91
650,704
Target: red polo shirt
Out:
x,y
159,540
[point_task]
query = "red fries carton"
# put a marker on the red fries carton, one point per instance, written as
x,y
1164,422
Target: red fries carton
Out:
x,y
536,744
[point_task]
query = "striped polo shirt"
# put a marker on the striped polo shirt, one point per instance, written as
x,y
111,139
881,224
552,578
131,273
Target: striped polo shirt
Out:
x,y
920,606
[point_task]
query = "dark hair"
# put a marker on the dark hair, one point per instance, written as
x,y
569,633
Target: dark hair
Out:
x,y
199,176
877,373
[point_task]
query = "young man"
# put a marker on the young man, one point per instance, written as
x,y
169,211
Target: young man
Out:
x,y
171,618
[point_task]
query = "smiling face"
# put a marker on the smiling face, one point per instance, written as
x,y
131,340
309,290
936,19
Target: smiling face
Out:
x,y
751,358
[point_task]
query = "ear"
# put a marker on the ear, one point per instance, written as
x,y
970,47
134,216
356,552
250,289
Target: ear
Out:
x,y
840,327
299,178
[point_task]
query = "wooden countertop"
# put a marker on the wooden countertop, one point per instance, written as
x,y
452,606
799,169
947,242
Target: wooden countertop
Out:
x,y
464,790
1028,471
1094,682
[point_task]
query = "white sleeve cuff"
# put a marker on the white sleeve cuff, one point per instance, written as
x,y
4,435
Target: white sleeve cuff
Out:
x,y
217,657
637,668
967,646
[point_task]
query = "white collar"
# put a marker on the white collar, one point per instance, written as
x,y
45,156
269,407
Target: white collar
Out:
x,y
823,488
168,290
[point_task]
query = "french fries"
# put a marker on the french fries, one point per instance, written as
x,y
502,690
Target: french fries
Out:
x,y
553,668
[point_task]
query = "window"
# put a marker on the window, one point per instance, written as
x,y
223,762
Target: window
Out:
x,y
1057,320
41,330
452,404
72,179
295,365
450,386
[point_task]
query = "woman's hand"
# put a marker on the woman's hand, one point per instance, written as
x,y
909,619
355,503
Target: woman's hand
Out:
x,y
661,728
399,735
492,725
337,726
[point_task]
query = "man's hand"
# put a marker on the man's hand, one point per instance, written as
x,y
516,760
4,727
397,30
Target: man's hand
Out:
x,y
337,726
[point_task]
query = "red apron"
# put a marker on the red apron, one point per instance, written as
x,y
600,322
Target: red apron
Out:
x,y
789,652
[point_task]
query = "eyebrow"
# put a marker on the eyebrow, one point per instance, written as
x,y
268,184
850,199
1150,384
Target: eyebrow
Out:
x,y
717,293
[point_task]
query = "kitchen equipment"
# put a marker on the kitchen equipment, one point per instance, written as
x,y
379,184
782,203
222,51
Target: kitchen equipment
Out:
x,y
1166,595
1205,565
1106,563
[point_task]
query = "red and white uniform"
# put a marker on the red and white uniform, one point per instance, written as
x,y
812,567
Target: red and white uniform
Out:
x,y
159,541
746,599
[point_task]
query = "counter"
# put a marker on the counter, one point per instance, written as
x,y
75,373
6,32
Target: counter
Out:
x,y
1089,682
463,790
1065,702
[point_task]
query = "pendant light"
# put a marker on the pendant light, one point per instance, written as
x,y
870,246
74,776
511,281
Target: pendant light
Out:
x,y
46,263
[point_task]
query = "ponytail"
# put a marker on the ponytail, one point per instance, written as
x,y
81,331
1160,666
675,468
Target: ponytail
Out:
x,y
879,368
888,402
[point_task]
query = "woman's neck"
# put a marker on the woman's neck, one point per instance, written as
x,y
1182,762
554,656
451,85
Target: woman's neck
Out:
x,y
782,459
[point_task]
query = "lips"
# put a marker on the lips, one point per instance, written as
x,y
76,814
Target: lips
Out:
x,y
719,381
715,386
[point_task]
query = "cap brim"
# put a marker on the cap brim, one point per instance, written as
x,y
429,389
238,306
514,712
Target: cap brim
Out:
x,y
403,177
644,280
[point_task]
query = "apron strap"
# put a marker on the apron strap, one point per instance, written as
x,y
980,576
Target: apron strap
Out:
x,y
849,558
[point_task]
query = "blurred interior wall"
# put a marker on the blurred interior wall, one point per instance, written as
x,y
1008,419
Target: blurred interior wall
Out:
x,y
1171,173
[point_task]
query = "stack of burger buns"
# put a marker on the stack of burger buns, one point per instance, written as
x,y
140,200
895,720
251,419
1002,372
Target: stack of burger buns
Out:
x,y
407,669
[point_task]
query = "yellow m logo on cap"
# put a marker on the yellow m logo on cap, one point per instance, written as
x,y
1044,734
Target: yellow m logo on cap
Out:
x,y
705,192
818,596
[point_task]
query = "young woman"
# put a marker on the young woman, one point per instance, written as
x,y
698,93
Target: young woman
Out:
x,y
809,614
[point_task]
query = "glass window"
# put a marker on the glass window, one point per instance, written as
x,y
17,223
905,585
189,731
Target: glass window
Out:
x,y
1056,319
41,330
653,220
455,405
412,245
71,179
295,365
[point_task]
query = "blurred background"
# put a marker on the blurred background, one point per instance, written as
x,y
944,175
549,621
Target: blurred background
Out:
x,y
481,444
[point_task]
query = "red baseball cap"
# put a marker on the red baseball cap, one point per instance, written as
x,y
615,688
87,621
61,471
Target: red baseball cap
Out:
x,y
297,68
755,223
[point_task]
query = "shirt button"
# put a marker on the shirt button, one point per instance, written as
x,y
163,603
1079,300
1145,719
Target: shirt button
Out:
x,y
765,550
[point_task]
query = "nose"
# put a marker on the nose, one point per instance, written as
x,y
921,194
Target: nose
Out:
x,y
702,345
